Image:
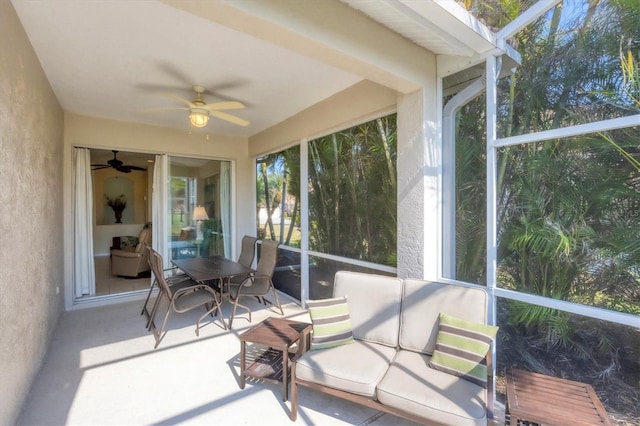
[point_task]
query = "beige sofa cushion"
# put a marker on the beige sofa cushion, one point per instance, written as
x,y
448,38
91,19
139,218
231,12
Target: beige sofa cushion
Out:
x,y
355,368
422,303
412,386
374,305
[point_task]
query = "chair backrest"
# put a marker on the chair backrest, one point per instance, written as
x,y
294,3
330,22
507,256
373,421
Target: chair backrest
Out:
x,y
157,267
268,258
248,251
144,238
266,265
146,252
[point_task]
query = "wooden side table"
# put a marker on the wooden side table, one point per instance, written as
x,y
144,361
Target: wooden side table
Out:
x,y
549,400
278,334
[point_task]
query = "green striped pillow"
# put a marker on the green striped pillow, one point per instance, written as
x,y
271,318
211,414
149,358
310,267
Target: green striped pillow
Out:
x,y
331,322
461,348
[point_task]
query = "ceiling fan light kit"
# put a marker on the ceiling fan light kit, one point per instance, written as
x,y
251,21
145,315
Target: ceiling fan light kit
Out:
x,y
198,116
200,111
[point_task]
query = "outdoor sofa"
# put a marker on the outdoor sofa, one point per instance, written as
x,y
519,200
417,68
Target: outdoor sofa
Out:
x,y
395,325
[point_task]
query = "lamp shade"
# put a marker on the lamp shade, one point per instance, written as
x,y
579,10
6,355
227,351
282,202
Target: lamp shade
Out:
x,y
200,214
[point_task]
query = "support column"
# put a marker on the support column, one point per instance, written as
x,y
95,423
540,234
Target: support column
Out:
x,y
419,170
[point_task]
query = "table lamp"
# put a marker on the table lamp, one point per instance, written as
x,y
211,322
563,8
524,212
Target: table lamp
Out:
x,y
199,214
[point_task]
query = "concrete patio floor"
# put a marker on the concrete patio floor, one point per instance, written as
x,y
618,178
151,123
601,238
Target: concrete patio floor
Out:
x,y
101,369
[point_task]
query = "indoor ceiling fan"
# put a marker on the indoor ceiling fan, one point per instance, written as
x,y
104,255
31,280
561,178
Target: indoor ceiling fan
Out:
x,y
116,164
199,110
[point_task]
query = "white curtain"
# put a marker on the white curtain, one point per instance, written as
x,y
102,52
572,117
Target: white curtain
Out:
x,y
225,205
83,266
160,226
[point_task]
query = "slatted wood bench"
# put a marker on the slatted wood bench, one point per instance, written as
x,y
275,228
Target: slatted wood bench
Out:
x,y
536,398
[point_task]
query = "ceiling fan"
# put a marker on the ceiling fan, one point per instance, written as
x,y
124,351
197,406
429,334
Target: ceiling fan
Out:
x,y
116,164
199,110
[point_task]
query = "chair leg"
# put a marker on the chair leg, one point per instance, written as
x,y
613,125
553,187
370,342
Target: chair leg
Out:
x,y
214,307
294,394
218,309
275,294
235,306
154,310
160,334
144,307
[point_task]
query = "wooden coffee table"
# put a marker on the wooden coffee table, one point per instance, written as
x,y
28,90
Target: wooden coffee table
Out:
x,y
278,335
549,400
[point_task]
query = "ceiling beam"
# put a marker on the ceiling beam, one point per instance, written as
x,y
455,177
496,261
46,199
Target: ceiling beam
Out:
x,y
328,31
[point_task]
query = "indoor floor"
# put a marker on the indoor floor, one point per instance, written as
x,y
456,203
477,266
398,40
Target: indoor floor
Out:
x,y
110,284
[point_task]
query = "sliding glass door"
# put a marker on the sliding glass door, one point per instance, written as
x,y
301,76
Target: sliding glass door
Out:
x,y
192,220
197,208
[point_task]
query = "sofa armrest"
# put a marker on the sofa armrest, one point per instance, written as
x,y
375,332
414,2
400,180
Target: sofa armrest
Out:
x,y
125,253
490,382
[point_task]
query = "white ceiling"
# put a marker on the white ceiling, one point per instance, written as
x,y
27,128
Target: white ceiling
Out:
x,y
115,59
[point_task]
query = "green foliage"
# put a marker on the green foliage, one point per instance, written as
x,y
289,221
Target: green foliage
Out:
x,y
568,223
352,193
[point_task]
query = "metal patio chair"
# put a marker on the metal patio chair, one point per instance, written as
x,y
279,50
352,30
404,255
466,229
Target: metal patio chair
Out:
x,y
259,284
178,279
247,254
183,299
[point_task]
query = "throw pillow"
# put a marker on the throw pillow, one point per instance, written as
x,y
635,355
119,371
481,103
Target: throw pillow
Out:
x,y
331,322
461,347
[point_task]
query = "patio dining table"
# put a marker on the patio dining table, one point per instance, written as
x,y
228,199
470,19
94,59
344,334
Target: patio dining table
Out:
x,y
212,270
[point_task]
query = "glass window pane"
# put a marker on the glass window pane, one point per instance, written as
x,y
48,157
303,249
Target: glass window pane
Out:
x,y
470,195
352,192
571,71
574,347
568,222
278,196
322,273
195,209
287,276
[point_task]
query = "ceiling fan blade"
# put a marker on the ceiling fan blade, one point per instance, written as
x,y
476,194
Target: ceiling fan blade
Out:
x,y
165,109
178,98
135,168
123,169
230,118
225,105
99,166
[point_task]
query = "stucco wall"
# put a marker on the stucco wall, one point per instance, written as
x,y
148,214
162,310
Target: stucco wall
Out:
x,y
31,260
419,201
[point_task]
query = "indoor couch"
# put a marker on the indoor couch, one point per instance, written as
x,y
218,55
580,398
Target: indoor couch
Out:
x,y
131,259
387,366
